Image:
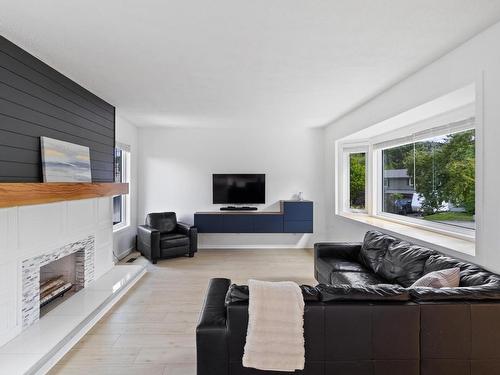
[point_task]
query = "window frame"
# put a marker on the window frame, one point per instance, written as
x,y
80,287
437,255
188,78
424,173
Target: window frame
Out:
x,y
375,178
125,178
346,168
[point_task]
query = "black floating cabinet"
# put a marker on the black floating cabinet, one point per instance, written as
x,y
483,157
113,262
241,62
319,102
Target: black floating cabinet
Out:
x,y
293,217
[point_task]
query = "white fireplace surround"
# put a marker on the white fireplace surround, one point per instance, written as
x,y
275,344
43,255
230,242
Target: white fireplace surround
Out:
x,y
30,236
33,236
84,264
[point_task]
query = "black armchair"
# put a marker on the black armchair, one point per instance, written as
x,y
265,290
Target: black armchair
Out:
x,y
164,237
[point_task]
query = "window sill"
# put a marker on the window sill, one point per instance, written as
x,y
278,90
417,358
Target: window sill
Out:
x,y
120,228
426,237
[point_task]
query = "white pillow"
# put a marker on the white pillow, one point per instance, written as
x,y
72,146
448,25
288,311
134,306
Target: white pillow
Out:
x,y
449,278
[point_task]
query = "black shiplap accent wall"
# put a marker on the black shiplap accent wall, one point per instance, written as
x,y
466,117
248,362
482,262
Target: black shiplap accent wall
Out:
x,y
36,100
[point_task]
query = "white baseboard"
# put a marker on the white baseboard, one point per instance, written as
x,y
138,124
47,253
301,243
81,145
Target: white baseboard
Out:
x,y
223,247
125,253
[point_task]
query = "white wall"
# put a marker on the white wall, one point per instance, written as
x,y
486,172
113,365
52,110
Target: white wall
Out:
x,y
124,239
462,66
177,166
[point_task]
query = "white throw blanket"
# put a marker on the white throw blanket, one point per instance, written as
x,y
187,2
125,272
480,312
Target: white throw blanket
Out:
x,y
275,335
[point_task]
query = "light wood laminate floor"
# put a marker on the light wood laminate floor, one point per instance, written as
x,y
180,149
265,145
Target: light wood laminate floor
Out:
x,y
152,329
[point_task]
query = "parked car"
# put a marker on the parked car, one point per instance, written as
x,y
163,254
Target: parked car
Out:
x,y
416,202
403,206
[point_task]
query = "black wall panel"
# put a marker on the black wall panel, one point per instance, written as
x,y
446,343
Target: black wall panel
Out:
x,y
36,100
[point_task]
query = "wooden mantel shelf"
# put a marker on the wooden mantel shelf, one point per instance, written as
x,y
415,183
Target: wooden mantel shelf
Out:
x,y
24,194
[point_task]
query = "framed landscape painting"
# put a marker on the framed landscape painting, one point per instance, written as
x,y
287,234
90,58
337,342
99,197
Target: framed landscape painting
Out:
x,y
64,161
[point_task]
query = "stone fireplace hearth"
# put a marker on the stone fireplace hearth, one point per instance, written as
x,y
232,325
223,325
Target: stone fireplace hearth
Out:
x,y
84,251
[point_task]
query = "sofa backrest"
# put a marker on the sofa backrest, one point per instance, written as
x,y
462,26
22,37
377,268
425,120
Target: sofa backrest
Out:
x,y
470,274
375,245
401,262
395,260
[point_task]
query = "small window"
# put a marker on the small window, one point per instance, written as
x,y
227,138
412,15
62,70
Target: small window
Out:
x,y
118,209
120,202
443,169
357,181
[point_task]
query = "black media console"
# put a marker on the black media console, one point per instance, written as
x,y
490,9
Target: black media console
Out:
x,y
293,217
234,208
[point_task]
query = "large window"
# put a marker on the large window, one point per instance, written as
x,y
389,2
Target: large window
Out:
x,y
432,179
121,202
417,168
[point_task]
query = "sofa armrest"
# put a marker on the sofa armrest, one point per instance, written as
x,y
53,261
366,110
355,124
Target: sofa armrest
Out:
x,y
211,331
148,242
192,232
341,250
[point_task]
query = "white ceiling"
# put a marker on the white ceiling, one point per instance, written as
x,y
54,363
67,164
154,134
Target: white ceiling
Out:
x,y
242,63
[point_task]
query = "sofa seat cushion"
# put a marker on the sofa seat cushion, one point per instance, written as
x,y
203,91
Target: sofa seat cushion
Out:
x,y
403,263
327,265
355,278
169,240
381,292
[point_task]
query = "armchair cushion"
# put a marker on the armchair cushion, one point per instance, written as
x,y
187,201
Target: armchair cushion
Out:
x,y
168,240
165,222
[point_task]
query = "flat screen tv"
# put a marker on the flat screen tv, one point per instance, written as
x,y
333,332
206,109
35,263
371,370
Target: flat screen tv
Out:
x,y
239,188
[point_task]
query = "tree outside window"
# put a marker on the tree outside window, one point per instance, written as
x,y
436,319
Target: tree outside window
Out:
x,y
357,181
443,171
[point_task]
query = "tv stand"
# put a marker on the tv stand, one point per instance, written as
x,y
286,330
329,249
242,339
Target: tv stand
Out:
x,y
293,217
234,208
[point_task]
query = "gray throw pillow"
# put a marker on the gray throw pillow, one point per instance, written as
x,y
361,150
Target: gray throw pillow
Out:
x,y
449,278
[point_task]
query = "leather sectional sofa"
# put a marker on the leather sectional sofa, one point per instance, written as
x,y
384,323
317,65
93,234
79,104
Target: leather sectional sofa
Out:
x,y
363,319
